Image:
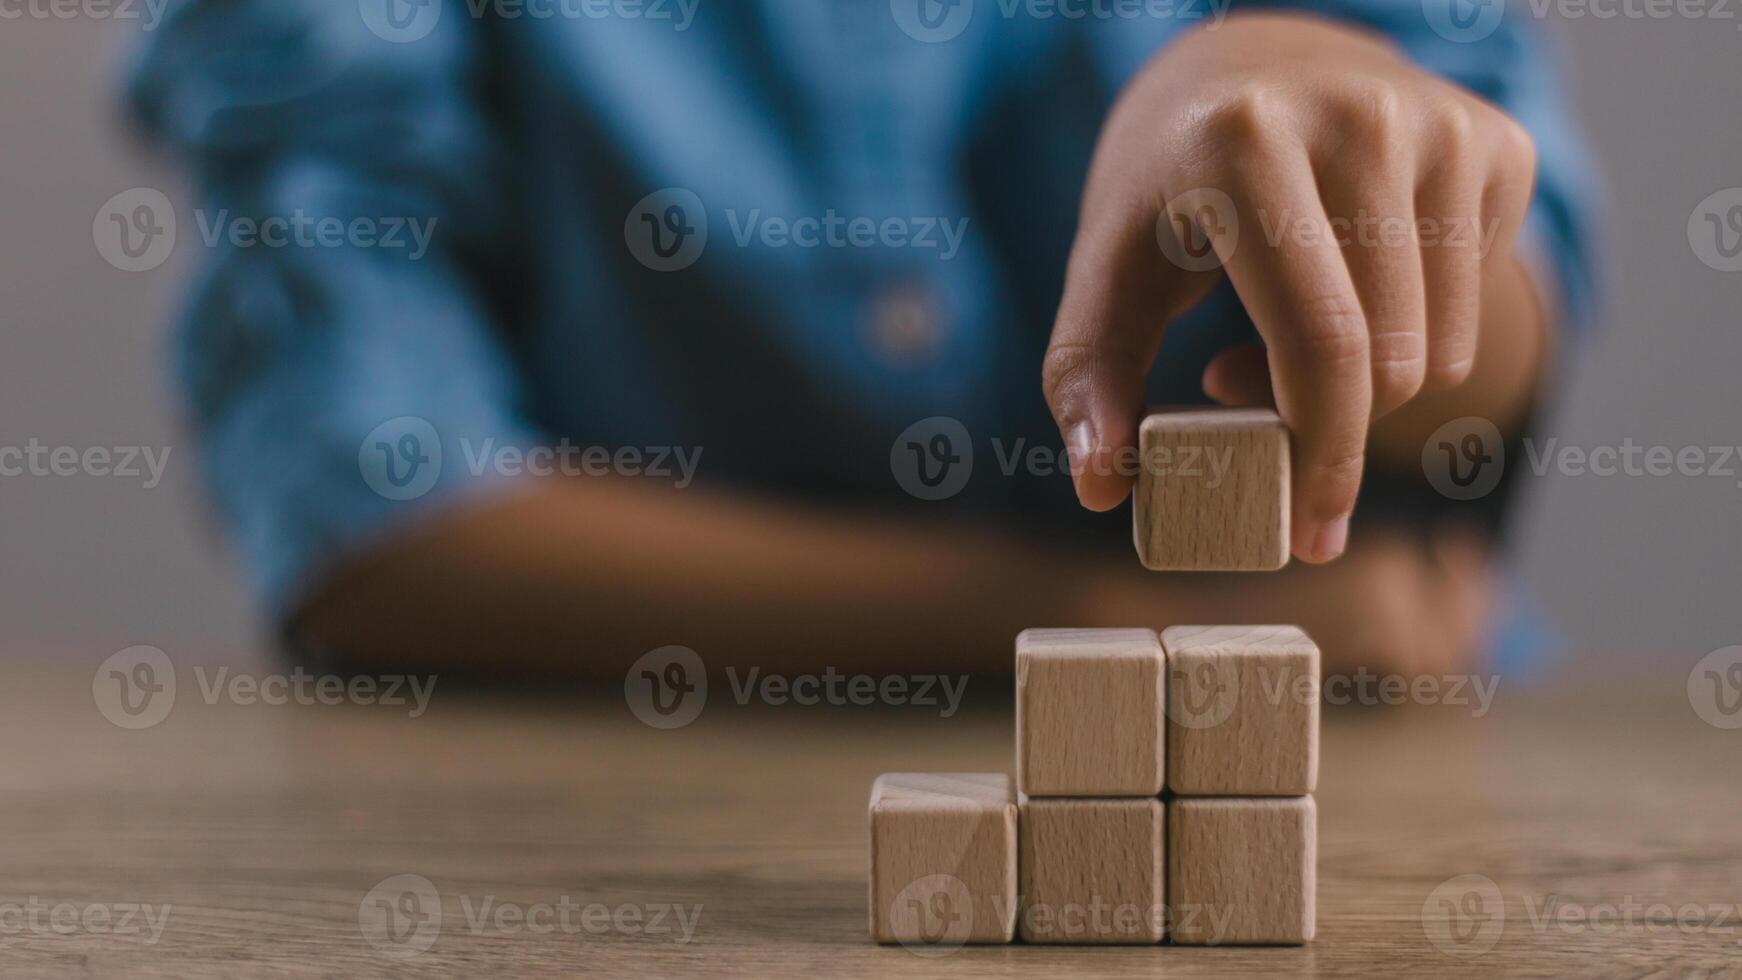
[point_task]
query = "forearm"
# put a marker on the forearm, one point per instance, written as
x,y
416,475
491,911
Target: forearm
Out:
x,y
581,577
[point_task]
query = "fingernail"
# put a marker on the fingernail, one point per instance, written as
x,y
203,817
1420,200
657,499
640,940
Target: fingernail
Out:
x,y
1079,446
1331,539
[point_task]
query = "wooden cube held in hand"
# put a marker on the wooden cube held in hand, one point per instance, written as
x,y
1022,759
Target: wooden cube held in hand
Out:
x,y
1212,490
1242,710
943,859
1091,870
1241,871
1089,706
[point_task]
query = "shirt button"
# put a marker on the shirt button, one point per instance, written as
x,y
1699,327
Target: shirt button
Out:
x,y
906,325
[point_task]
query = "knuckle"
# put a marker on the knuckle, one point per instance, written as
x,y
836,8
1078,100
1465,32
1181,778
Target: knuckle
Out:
x,y
1455,129
1066,370
1332,482
1517,146
1448,371
1398,373
1392,389
1251,113
1375,110
1332,329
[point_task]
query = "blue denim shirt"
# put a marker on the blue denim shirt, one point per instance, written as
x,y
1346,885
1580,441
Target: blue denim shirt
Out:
x,y
775,232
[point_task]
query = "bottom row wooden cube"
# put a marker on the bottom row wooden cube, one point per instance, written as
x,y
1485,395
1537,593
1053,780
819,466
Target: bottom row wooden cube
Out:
x,y
1241,871
943,858
1091,870
945,869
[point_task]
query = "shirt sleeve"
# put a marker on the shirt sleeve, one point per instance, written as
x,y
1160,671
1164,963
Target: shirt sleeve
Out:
x,y
336,356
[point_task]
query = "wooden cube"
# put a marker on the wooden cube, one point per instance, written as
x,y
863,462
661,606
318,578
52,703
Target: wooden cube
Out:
x,y
1212,490
1089,706
943,859
1091,870
1241,871
1242,711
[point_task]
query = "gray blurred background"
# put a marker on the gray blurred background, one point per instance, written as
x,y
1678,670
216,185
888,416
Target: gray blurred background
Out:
x,y
1633,567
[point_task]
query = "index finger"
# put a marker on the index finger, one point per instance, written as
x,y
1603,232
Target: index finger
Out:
x,y
1301,298
1118,299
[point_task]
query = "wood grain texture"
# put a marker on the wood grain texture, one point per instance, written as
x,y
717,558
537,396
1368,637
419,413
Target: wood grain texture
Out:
x,y
264,828
1242,711
1242,871
943,858
1212,490
1092,871
1089,706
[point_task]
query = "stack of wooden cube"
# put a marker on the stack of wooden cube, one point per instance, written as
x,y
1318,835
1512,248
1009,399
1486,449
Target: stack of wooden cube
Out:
x,y
1163,788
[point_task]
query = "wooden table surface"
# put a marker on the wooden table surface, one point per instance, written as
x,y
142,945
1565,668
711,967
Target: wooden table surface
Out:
x,y
256,836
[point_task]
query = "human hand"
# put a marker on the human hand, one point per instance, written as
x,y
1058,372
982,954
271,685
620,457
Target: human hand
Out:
x,y
1351,198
